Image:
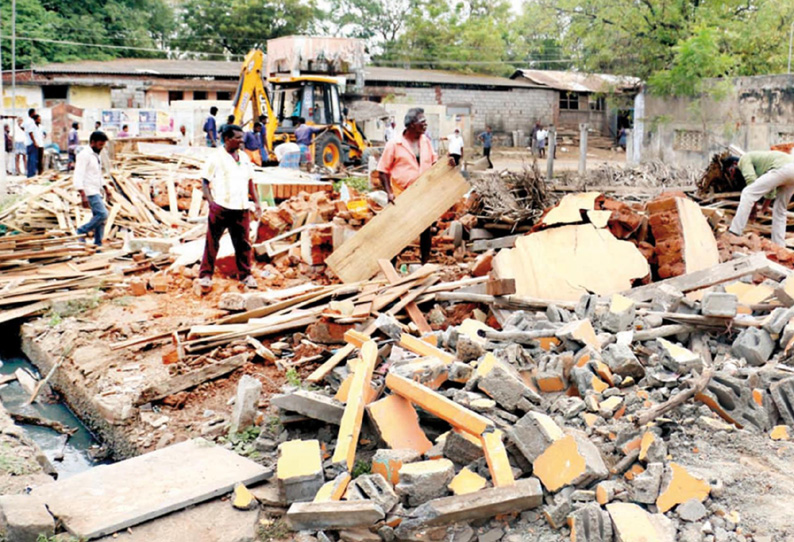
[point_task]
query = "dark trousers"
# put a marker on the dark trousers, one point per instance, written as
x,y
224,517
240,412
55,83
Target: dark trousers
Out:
x,y
99,215
33,160
425,242
41,160
456,157
238,222
486,151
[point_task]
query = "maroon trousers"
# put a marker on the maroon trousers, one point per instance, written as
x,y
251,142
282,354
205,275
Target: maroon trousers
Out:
x,y
238,223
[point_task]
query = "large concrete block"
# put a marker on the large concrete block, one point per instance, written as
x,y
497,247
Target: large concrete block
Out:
x,y
591,523
754,345
571,460
732,400
23,518
782,393
299,470
533,434
719,304
246,401
425,480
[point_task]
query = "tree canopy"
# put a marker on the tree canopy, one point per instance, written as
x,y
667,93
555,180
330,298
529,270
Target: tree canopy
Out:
x,y
672,44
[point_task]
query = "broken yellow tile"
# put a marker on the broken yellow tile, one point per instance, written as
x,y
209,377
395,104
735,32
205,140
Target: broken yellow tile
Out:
x,y
681,487
466,481
779,432
496,457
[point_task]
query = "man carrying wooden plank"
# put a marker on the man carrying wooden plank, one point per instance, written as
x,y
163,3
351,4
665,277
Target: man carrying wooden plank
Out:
x,y
404,159
227,183
88,180
768,173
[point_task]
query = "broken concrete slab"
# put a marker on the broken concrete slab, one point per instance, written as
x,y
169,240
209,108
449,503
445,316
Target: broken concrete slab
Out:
x,y
632,523
376,488
524,495
571,460
782,393
462,448
109,498
213,521
720,304
299,470
466,482
621,361
24,518
397,422
621,314
732,400
313,516
312,404
503,384
677,358
645,486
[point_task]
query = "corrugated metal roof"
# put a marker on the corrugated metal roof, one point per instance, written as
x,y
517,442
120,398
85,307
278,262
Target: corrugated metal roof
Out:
x,y
399,75
578,82
146,66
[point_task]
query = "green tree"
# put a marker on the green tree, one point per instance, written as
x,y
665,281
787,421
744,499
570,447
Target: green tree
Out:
x,y
94,29
379,23
236,27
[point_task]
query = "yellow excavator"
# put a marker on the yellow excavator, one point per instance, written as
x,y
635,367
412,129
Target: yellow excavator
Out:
x,y
312,97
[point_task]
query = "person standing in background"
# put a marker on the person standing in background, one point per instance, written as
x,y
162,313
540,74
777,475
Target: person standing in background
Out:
x,y
455,145
31,144
40,136
89,182
20,150
8,141
211,128
72,142
125,132
487,139
182,138
388,133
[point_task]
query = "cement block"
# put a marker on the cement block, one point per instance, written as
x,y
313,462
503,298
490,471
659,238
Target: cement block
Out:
x,y
666,298
621,361
377,489
677,358
631,523
462,448
692,510
777,321
247,399
313,516
754,345
487,503
782,393
590,523
719,304
460,372
503,384
621,314
23,518
679,486
732,400
645,486
425,480
314,405
299,470
388,463
533,434
571,460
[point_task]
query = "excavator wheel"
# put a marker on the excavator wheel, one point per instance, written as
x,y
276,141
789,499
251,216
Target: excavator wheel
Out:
x,y
328,151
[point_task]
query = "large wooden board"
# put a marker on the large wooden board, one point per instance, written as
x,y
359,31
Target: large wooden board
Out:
x,y
397,225
564,263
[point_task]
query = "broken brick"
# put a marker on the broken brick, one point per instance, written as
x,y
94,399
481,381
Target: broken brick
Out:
x,y
466,482
533,434
425,480
388,463
496,456
631,523
299,470
678,486
396,420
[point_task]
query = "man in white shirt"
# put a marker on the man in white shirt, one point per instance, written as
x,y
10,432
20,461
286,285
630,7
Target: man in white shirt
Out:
x,y
88,180
455,141
541,136
31,144
182,138
227,184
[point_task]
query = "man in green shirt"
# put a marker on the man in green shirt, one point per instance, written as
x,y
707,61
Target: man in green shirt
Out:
x,y
764,172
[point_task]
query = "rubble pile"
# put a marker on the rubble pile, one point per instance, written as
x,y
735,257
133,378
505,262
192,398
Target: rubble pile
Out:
x,y
564,409
653,174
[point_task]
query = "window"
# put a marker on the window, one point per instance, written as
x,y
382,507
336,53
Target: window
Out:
x,y
688,140
55,92
199,94
597,104
175,95
224,95
569,100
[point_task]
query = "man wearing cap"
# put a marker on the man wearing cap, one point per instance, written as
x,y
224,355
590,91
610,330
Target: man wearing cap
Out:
x,y
769,173
455,145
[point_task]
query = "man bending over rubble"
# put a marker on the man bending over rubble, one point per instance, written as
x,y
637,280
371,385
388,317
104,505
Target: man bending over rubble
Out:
x,y
227,185
764,172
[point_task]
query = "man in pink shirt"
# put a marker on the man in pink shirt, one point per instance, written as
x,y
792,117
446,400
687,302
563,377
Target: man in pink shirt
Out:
x,y
404,159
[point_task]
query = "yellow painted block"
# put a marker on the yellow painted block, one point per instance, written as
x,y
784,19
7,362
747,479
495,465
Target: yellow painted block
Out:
x,y
418,346
487,364
298,458
682,487
469,327
780,432
333,490
496,456
466,481
398,424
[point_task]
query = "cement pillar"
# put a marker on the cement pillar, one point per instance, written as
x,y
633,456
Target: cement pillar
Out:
x,y
630,161
583,148
552,145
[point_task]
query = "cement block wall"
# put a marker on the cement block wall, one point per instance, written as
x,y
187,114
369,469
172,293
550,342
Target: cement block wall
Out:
x,y
756,113
504,110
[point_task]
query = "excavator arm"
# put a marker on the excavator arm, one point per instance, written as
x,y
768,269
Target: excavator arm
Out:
x,y
251,91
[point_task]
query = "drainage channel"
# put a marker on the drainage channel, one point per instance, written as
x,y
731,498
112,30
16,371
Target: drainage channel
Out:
x,y
73,457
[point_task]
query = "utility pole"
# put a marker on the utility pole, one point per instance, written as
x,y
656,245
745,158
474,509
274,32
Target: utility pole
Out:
x,y
583,148
552,137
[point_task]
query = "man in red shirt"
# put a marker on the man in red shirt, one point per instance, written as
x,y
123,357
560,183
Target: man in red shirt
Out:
x,y
404,159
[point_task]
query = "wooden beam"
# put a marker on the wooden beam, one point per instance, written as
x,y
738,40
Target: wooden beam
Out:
x,y
414,211
411,308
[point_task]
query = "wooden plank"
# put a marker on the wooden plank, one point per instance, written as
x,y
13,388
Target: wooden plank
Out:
x,y
114,211
189,380
23,312
411,308
414,210
337,358
196,198
723,272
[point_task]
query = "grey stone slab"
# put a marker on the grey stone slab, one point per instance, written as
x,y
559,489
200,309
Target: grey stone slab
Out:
x,y
214,521
110,498
311,404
